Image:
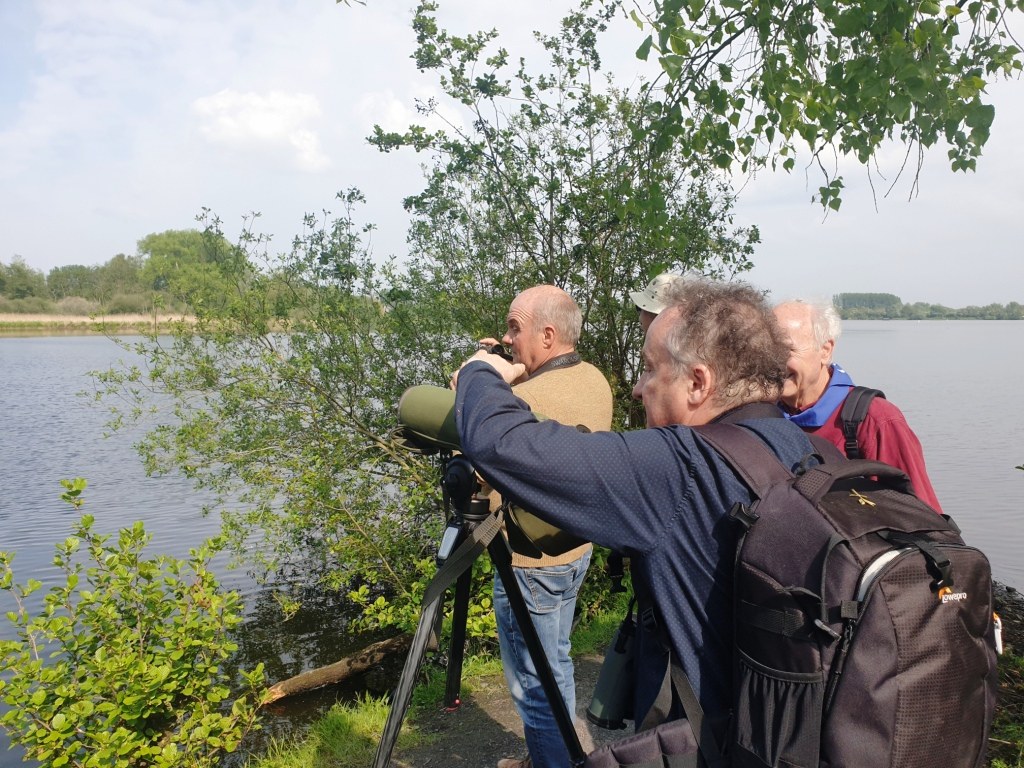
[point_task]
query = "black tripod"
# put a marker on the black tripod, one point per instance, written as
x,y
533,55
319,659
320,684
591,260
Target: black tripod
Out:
x,y
471,529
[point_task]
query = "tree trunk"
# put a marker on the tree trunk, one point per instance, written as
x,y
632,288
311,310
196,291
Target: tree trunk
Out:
x,y
339,670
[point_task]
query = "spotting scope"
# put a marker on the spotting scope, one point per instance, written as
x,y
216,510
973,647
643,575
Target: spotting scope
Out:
x,y
426,417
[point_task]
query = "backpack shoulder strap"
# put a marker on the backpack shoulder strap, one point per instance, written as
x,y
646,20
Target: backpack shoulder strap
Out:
x,y
749,457
759,468
855,408
826,449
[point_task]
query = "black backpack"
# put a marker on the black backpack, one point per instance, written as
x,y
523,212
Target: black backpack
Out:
x,y
864,629
855,408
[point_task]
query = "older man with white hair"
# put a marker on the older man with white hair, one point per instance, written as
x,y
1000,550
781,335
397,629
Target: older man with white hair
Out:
x,y
816,388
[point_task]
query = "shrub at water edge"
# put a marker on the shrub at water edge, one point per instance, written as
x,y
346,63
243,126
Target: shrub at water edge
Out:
x,y
123,664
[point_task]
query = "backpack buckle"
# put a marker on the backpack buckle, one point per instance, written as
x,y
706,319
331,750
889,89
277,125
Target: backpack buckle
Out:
x,y
805,463
744,514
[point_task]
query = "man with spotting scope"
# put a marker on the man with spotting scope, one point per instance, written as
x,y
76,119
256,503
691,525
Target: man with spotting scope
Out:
x,y
543,327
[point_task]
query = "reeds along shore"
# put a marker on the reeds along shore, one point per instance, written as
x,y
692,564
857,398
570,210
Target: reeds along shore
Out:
x,y
42,322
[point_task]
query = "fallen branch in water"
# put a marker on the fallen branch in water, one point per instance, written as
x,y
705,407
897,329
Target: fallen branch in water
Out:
x,y
340,670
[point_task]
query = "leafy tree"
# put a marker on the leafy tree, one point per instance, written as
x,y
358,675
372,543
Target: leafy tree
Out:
x,y
868,300
885,306
121,275
283,397
188,265
551,183
860,305
122,664
916,311
72,280
750,82
285,389
19,281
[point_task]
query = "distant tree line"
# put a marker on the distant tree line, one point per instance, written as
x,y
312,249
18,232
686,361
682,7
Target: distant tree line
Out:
x,y
887,306
175,269
170,271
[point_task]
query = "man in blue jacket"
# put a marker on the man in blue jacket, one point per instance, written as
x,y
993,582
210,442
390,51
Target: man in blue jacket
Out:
x,y
660,495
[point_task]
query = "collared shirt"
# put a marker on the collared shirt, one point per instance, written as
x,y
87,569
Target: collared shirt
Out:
x,y
884,434
839,384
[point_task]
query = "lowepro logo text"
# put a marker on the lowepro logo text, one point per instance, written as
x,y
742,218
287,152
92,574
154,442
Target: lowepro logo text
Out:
x,y
949,596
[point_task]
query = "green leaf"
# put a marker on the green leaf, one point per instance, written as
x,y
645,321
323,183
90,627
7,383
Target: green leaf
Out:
x,y
980,116
645,48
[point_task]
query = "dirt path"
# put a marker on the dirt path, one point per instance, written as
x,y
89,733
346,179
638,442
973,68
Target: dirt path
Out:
x,y
487,728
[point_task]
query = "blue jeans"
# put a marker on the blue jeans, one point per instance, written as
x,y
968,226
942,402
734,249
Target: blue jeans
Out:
x,y
550,594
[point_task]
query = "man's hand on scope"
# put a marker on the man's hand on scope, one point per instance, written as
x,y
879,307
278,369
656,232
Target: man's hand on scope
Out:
x,y
510,372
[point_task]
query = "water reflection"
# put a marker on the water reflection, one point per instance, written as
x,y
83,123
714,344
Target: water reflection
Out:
x,y
317,635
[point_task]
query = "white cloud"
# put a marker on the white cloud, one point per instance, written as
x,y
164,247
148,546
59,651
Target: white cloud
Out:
x,y
392,113
256,121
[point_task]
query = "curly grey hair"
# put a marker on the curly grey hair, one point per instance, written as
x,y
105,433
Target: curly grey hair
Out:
x,y
730,328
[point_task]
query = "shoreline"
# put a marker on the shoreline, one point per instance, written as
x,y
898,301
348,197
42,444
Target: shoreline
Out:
x,y
42,324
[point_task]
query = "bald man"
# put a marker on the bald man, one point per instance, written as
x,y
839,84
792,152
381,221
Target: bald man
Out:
x,y
542,329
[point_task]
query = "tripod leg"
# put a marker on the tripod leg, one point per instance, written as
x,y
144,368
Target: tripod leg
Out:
x,y
457,648
403,693
459,561
502,560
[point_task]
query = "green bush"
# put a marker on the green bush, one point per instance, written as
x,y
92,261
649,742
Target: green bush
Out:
x,y
380,611
28,306
123,663
128,304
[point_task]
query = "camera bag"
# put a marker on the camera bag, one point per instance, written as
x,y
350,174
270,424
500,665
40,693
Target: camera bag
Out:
x,y
864,633
529,535
864,630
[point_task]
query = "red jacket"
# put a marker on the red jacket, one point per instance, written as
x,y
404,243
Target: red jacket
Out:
x,y
885,436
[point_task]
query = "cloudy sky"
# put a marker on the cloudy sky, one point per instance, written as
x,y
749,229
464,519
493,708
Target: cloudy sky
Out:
x,y
119,118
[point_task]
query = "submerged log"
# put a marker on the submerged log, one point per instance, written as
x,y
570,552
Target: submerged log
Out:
x,y
339,670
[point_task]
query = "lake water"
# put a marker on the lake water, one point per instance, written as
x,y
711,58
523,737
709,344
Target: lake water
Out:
x,y
50,433
955,381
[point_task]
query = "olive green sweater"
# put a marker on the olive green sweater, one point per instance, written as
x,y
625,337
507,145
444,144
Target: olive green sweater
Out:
x,y
574,395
